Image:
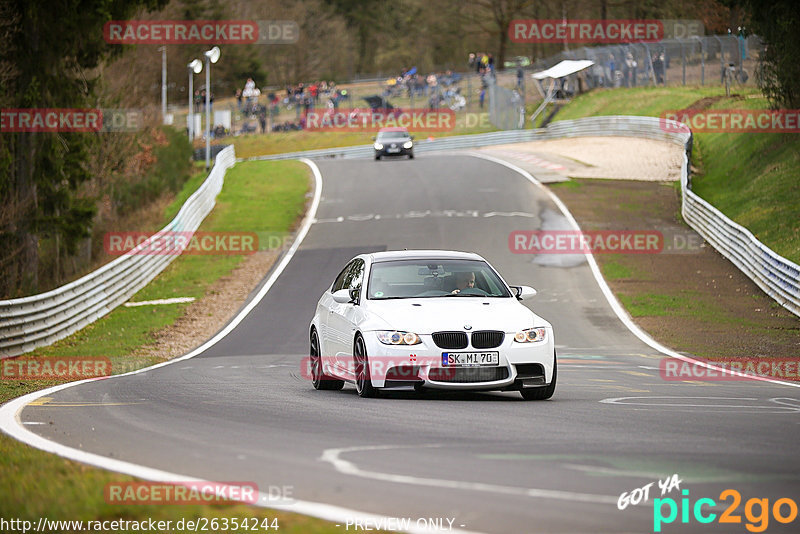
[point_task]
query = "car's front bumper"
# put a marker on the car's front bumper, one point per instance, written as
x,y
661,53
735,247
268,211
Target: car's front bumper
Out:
x,y
520,365
400,151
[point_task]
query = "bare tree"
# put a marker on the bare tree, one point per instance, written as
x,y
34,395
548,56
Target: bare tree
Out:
x,y
494,17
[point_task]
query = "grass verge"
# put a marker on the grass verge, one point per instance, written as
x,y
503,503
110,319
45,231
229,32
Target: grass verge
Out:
x,y
257,197
248,146
750,177
699,303
687,297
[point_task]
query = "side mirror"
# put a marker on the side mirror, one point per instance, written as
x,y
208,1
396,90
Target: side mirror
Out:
x,y
411,137
524,292
342,296
374,138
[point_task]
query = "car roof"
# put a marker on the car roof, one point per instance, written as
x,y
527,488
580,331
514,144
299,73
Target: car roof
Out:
x,y
393,129
393,255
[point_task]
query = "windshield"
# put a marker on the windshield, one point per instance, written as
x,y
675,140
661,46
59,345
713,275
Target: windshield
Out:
x,y
392,135
434,278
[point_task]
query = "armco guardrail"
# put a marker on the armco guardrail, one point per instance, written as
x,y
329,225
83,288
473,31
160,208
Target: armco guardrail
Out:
x,y
774,274
777,276
442,143
581,127
39,320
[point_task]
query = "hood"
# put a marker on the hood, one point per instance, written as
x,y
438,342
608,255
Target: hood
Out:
x,y
428,315
394,140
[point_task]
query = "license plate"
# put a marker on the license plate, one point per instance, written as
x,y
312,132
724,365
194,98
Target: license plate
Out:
x,y
392,150
470,358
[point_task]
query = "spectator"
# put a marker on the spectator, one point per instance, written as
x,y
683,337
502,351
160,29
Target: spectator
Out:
x,y
250,94
262,119
482,96
658,69
432,83
630,70
198,101
298,100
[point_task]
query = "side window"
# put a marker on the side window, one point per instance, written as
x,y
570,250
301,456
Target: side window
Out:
x,y
356,275
341,280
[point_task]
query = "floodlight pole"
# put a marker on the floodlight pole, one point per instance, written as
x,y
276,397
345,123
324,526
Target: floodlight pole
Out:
x,y
211,57
208,113
190,120
163,50
192,67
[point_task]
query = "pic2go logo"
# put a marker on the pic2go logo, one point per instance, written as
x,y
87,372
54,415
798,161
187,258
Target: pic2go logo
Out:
x,y
756,511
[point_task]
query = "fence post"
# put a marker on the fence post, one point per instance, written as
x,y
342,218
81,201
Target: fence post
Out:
x,y
702,59
721,60
683,61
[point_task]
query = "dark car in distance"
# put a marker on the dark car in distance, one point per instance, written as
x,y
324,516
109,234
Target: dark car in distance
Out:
x,y
394,141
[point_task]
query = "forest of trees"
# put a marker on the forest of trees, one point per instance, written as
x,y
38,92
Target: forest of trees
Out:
x,y
345,39
56,187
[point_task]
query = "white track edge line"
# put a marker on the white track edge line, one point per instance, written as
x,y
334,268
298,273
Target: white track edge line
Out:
x,y
622,315
11,424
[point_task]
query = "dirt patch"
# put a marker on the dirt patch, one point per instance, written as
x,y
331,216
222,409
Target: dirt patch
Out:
x,y
696,302
627,158
704,103
205,317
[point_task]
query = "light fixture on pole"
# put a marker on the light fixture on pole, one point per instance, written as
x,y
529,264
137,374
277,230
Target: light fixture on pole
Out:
x,y
194,68
212,56
163,51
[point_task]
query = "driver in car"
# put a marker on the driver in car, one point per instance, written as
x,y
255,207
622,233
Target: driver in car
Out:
x,y
464,280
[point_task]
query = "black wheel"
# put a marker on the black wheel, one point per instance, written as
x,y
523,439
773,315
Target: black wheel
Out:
x,y
419,387
363,380
318,377
377,158
411,156
545,392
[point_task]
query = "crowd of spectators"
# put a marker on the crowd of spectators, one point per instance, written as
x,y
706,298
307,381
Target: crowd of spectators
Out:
x,y
200,101
439,88
482,62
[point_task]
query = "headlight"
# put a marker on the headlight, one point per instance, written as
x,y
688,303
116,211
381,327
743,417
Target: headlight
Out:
x,y
378,146
531,335
393,337
408,144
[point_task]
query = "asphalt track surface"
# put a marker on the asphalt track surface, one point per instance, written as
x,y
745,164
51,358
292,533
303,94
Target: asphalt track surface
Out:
x,y
243,411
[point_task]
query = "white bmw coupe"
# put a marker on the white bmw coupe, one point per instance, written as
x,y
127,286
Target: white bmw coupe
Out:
x,y
429,319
